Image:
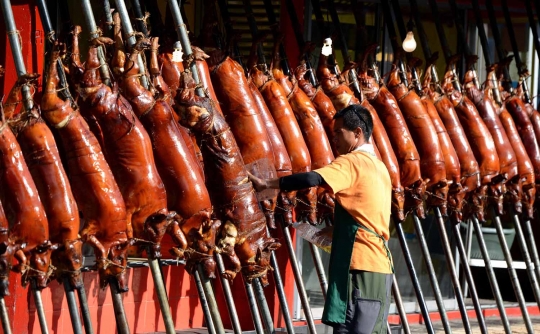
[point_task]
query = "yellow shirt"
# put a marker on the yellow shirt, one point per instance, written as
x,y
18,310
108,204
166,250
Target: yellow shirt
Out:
x,y
361,184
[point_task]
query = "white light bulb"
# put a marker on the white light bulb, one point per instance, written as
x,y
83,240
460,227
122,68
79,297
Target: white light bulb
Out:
x,y
409,44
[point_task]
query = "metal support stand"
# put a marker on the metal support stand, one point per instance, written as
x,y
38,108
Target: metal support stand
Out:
x,y
204,303
6,325
512,272
469,279
253,307
414,278
119,312
298,278
281,295
85,312
453,274
162,295
72,306
233,314
319,267
399,306
263,306
431,273
527,259
39,308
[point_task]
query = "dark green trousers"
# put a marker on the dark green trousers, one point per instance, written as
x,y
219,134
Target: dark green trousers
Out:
x,y
368,303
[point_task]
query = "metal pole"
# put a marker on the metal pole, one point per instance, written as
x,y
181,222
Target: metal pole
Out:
x,y
161,294
94,33
281,295
211,298
269,7
233,314
204,304
108,17
253,307
119,312
6,325
298,278
263,306
536,37
527,259
532,247
431,273
498,44
400,307
414,278
453,274
130,37
512,272
319,267
72,306
85,312
39,307
491,275
519,64
469,278
139,16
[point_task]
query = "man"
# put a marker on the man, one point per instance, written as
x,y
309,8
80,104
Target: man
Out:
x,y
358,296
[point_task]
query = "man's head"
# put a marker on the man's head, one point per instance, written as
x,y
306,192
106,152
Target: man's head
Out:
x,y
352,127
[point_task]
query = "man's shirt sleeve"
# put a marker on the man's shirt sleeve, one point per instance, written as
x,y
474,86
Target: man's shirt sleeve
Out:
x,y
337,174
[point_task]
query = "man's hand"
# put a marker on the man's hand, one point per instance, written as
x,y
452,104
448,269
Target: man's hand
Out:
x,y
258,184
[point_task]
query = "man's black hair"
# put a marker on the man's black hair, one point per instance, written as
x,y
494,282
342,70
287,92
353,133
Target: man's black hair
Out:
x,y
356,116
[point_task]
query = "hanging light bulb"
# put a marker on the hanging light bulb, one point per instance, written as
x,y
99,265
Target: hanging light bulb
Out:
x,y
409,44
327,47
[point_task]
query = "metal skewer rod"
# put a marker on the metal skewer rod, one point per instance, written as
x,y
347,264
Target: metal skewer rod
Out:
x,y
281,294
36,293
269,7
253,307
400,307
316,256
414,278
469,278
532,246
491,275
139,16
94,33
119,312
6,325
263,306
519,64
512,272
536,37
161,293
204,303
85,312
453,274
130,37
298,278
431,273
526,258
108,17
233,314
72,306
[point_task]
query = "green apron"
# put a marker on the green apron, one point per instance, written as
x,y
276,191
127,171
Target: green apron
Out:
x,y
343,238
